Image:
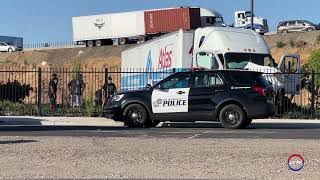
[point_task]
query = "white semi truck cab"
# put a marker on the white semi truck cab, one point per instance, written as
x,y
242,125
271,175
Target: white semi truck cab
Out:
x,y
243,18
233,48
210,18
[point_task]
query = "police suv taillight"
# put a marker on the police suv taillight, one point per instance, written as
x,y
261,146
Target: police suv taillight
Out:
x,y
260,90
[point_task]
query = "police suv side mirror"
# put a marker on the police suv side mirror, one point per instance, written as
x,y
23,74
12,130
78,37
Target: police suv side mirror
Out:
x,y
148,86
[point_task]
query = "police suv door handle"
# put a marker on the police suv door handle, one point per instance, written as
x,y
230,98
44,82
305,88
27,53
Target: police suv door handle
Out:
x,y
181,92
218,90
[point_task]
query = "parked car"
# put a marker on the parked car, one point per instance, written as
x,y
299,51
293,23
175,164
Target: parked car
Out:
x,y
13,41
296,26
233,97
4,47
257,27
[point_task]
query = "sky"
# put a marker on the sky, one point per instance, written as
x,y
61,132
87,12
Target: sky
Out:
x,y
51,20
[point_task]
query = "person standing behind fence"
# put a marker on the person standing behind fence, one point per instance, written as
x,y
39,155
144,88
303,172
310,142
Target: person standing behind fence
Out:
x,y
108,90
53,87
76,87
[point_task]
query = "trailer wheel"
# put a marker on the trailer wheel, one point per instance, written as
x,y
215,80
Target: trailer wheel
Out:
x,y
141,40
122,41
90,44
98,43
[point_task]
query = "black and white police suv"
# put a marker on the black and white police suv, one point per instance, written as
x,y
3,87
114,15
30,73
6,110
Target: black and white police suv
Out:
x,y
230,96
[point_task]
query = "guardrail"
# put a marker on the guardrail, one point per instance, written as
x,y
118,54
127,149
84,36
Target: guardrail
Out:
x,y
26,91
48,45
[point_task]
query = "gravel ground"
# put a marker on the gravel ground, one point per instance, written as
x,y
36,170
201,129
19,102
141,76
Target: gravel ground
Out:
x,y
92,157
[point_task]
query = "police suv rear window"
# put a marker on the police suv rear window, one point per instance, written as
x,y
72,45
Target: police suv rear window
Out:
x,y
248,79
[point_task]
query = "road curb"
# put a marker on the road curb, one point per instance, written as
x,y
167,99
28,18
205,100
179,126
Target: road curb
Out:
x,y
58,121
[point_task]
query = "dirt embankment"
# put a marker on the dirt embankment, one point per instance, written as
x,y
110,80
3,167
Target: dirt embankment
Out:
x,y
294,43
110,56
97,57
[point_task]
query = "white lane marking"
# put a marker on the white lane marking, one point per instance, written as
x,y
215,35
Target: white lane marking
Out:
x,y
194,136
231,132
98,131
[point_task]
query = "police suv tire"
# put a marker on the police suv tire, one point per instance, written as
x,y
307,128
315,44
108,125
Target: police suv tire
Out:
x,y
10,50
135,116
232,117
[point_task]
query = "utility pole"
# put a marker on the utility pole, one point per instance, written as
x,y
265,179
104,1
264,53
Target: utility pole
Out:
x,y
252,8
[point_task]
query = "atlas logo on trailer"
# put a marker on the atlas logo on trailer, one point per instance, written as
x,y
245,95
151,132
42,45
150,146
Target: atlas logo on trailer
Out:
x,y
165,57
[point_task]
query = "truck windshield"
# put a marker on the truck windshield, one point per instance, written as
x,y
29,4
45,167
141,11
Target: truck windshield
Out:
x,y
218,20
240,60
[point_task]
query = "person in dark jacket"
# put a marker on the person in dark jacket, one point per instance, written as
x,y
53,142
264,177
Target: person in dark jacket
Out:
x,y
76,87
53,88
108,90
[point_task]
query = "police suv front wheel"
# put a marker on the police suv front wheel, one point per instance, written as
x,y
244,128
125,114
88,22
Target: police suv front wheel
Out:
x,y
232,117
135,116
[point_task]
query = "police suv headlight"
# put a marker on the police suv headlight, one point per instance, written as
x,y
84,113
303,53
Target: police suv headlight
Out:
x,y
117,97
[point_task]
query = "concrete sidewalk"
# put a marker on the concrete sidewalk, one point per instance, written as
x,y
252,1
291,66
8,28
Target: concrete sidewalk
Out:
x,y
58,121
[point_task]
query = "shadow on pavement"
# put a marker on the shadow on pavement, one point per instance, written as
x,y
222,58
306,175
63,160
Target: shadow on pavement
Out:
x,y
11,121
284,126
191,125
254,125
57,128
16,142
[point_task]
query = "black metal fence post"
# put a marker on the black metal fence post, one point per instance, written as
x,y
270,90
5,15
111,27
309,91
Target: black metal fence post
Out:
x,y
312,108
106,74
39,90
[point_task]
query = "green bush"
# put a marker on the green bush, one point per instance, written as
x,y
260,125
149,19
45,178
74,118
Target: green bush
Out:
x,y
8,108
318,39
294,115
292,43
314,64
280,44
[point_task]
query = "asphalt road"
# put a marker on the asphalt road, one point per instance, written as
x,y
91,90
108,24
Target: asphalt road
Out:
x,y
176,130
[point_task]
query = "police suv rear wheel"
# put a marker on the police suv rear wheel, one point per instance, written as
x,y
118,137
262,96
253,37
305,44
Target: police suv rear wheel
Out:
x,y
232,117
135,116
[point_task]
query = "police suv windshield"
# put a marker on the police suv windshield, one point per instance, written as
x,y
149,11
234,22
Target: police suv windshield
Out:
x,y
240,60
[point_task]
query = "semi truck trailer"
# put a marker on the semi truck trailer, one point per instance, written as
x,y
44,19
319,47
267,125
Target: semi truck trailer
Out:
x,y
139,26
